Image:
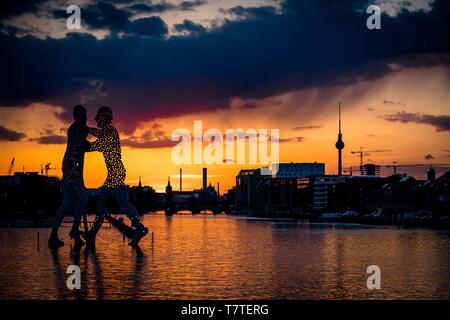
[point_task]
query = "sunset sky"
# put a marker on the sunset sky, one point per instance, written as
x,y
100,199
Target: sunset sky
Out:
x,y
263,64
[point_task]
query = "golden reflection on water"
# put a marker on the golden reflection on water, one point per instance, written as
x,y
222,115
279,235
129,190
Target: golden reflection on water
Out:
x,y
207,257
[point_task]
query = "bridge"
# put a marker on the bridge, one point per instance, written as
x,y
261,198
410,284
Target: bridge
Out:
x,y
196,208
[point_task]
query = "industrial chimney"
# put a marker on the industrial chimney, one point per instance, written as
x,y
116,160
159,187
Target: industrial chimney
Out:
x,y
205,177
431,174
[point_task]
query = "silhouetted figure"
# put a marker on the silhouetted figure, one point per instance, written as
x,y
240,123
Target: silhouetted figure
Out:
x,y
109,144
74,193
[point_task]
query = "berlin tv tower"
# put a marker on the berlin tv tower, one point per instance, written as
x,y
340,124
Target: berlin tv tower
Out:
x,y
340,144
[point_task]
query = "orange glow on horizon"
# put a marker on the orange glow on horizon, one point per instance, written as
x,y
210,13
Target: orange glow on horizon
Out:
x,y
363,106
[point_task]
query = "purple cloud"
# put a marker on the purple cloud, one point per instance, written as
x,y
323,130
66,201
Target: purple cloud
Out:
x,y
310,127
51,139
440,122
10,135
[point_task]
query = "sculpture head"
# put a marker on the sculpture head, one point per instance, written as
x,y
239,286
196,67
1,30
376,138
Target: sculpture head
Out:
x,y
79,114
104,117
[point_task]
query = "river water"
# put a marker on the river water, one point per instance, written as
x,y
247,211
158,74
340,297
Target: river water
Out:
x,y
227,257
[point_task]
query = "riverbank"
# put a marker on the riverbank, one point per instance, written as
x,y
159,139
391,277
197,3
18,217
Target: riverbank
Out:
x,y
437,224
26,223
431,223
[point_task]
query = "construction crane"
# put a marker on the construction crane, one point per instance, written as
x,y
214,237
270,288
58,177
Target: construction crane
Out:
x,y
363,153
46,168
11,167
395,165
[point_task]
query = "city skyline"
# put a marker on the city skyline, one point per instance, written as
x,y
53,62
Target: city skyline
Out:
x,y
225,174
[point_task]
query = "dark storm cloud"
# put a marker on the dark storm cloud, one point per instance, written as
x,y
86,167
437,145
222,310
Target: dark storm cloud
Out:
x,y
191,5
10,135
101,15
106,15
10,8
428,157
150,8
165,6
190,27
251,12
151,27
441,122
309,44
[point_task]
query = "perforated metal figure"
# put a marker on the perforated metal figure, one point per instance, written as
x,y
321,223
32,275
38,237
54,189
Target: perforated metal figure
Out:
x,y
74,193
108,143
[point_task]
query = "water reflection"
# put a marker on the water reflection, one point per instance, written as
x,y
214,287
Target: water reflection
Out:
x,y
59,277
206,257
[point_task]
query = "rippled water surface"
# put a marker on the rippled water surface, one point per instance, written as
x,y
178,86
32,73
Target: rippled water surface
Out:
x,y
207,257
